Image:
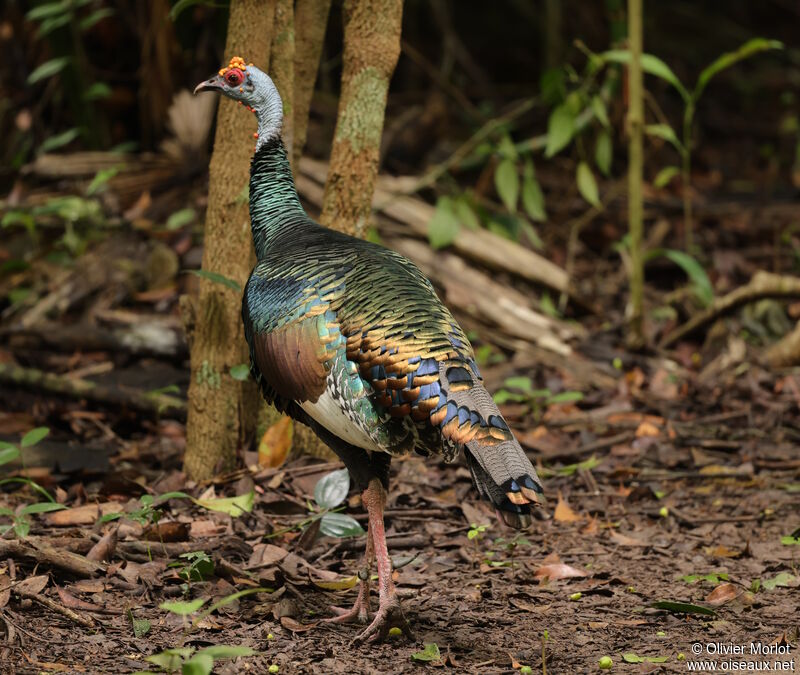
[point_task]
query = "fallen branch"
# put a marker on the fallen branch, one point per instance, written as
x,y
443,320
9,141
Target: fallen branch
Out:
x,y
786,351
43,600
149,337
476,294
151,403
762,285
482,246
47,555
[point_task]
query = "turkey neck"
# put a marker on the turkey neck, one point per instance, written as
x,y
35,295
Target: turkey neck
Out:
x,y
274,204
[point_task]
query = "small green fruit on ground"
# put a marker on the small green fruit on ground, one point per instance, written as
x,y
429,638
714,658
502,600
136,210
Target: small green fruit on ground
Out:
x,y
274,668
525,670
605,663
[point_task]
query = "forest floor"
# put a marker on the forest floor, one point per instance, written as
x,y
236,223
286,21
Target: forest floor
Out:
x,y
673,479
642,510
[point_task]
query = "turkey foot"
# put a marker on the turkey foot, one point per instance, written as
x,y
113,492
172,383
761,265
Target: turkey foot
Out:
x,y
390,614
360,610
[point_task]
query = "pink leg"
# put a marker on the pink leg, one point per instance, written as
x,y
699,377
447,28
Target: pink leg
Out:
x,y
360,610
389,612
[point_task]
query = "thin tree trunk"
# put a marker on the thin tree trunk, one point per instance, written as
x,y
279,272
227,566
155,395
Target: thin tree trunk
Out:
x,y
311,19
371,49
221,410
282,66
635,166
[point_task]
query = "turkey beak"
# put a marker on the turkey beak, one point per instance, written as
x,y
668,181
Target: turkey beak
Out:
x,y
212,84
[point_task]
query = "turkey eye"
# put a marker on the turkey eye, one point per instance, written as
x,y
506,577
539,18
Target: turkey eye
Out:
x,y
234,78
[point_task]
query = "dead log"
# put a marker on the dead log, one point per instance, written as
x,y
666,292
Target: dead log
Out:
x,y
154,404
481,246
49,556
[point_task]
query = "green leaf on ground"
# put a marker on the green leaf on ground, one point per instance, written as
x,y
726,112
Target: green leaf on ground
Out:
x,y
340,525
183,608
233,506
34,436
331,490
784,579
429,653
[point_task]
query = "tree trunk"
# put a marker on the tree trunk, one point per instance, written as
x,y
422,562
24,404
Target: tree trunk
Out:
x,y
282,67
311,19
371,49
635,167
221,410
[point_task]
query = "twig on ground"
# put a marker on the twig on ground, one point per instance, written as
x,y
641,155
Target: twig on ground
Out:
x,y
85,620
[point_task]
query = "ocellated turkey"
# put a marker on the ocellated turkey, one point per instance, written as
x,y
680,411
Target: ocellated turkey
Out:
x,y
350,338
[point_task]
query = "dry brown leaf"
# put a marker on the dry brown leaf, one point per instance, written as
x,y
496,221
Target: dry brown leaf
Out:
x,y
275,443
82,515
647,429
168,531
625,540
551,558
558,571
206,528
722,594
592,527
32,585
721,551
295,626
598,624
474,515
564,513
266,554
528,606
104,549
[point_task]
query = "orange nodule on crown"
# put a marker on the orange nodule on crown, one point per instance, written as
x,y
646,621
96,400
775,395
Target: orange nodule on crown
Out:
x,y
235,62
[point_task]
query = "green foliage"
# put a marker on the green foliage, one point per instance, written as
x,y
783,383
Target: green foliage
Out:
x,y
68,20
429,653
445,225
520,390
330,492
700,283
587,185
656,67
476,531
189,661
20,518
198,566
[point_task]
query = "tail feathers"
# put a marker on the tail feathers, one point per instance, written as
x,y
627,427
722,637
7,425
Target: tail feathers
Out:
x,y
502,472
504,475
